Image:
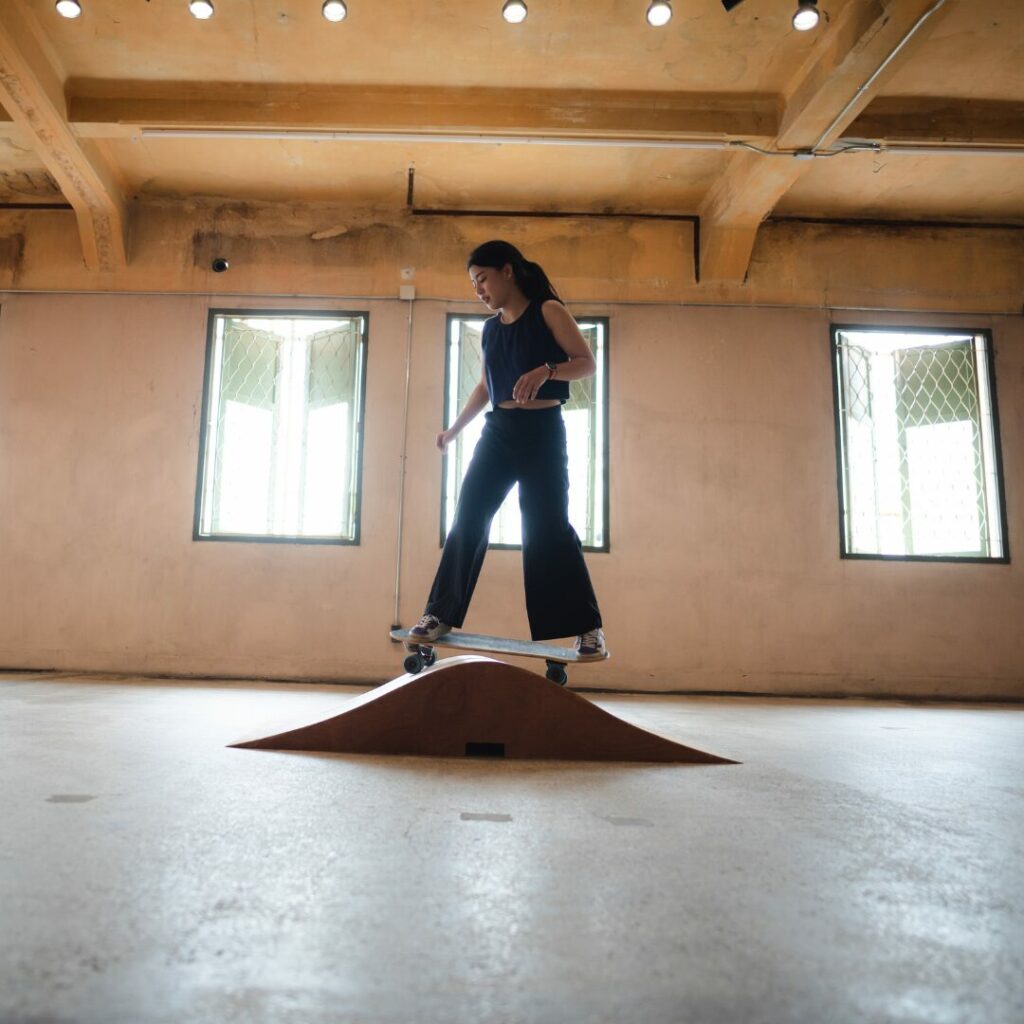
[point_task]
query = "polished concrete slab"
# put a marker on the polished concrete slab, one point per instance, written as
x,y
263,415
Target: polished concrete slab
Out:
x,y
865,862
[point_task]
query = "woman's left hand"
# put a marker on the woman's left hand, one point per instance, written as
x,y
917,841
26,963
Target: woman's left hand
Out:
x,y
529,384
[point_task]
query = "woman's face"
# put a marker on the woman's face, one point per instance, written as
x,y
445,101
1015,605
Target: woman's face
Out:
x,y
492,286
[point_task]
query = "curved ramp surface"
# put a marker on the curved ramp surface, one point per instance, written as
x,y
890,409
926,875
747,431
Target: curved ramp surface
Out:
x,y
475,706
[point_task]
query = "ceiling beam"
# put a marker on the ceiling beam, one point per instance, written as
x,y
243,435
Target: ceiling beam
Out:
x,y
937,120
32,92
100,109
925,120
735,207
822,99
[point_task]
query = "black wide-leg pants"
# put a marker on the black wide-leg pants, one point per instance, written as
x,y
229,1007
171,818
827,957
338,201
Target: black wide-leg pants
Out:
x,y
525,446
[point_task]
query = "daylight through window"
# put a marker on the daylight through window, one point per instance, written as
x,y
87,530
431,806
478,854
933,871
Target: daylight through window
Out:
x,y
282,424
918,443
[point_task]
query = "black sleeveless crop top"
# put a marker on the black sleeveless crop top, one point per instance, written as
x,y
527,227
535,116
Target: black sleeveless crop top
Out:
x,y
510,350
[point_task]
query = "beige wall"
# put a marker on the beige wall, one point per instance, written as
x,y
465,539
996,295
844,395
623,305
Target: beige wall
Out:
x,y
723,574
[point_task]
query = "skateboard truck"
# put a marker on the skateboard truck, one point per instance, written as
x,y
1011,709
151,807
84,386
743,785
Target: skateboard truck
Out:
x,y
418,658
556,673
422,656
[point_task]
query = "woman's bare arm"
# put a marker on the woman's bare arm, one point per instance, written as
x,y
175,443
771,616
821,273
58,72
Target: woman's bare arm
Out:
x,y
478,399
571,341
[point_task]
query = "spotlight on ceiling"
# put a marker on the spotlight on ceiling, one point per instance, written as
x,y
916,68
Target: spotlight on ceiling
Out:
x,y
659,13
334,10
69,8
201,9
514,11
806,16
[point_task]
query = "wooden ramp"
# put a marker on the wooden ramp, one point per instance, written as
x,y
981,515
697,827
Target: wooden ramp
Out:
x,y
474,706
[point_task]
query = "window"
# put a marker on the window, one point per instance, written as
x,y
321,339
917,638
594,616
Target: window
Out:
x,y
918,444
586,428
282,425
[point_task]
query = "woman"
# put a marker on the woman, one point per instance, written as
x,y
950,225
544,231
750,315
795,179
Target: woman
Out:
x,y
532,348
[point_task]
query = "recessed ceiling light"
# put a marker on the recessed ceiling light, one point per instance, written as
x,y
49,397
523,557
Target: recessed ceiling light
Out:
x,y
201,9
334,10
659,13
69,8
806,16
514,11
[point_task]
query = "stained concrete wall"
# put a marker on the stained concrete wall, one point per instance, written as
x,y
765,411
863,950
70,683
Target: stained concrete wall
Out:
x,y
309,249
724,571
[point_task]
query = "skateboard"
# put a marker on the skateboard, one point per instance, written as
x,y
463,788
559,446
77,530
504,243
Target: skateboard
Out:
x,y
421,655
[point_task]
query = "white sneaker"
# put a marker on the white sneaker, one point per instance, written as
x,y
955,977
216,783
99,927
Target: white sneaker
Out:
x,y
590,645
430,627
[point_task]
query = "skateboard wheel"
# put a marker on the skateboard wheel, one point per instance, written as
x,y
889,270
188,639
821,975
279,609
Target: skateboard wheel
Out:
x,y
429,656
556,673
414,663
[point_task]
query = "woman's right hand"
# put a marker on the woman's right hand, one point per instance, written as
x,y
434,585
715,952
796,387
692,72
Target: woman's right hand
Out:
x,y
444,439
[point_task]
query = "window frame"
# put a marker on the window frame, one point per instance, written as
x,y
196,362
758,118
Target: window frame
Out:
x,y
605,322
842,474
359,426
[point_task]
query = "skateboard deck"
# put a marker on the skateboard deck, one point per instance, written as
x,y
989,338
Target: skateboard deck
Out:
x,y
422,654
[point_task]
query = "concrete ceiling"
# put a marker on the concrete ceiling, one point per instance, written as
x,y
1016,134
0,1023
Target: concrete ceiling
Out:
x,y
83,99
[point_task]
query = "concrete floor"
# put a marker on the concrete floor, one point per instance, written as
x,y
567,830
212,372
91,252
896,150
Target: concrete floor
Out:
x,y
864,863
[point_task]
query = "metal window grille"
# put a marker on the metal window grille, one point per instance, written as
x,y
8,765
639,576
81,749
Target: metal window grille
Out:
x,y
918,445
586,434
282,424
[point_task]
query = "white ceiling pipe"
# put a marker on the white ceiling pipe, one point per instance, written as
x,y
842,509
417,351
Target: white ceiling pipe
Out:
x,y
927,150
490,140
860,146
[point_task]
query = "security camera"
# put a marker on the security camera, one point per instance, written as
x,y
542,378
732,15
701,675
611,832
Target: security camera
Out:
x,y
219,265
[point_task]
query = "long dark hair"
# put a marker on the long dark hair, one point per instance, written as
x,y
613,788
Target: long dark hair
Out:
x,y
529,276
